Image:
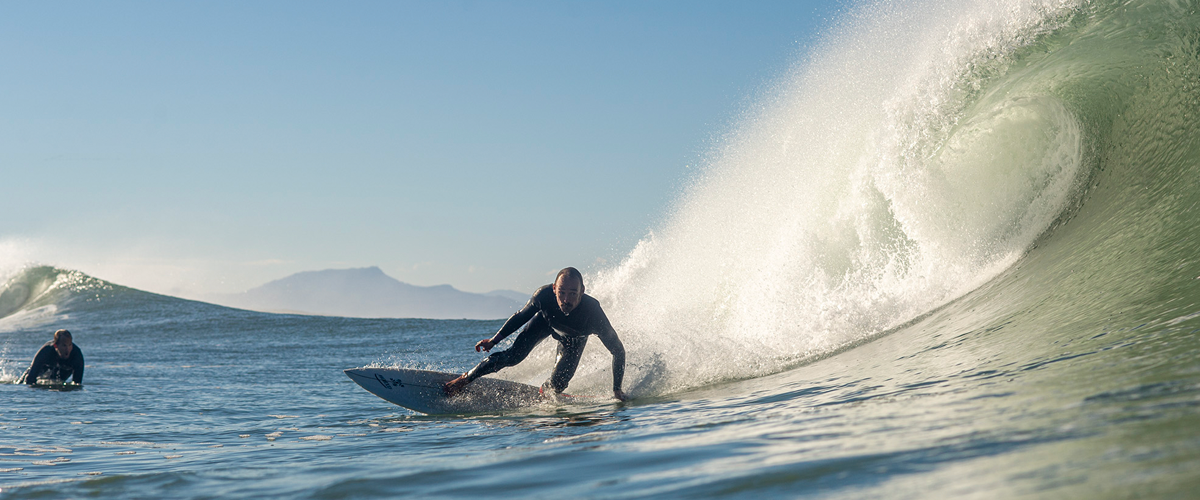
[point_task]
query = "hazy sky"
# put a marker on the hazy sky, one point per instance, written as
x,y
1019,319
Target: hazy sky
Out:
x,y
201,147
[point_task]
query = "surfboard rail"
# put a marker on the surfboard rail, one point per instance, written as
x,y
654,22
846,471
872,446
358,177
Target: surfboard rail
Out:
x,y
421,391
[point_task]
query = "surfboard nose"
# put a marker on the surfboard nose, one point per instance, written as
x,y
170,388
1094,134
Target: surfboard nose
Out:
x,y
359,376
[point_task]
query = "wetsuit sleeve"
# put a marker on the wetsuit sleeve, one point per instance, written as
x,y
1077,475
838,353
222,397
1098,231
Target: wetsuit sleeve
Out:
x,y
517,320
608,336
41,361
77,365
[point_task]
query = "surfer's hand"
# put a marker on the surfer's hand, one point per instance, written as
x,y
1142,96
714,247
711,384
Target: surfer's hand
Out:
x,y
485,345
620,395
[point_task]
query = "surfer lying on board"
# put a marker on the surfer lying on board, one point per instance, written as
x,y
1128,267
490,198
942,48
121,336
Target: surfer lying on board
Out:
x,y
57,360
561,311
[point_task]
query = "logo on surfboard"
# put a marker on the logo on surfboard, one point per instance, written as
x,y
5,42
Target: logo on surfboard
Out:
x,y
385,382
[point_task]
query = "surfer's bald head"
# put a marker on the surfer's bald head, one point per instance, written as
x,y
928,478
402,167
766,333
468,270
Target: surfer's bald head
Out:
x,y
571,273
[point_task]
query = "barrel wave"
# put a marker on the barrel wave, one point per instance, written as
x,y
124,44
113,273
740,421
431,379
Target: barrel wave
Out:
x,y
923,152
952,253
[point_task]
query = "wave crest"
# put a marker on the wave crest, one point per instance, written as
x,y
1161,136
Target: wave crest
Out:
x,y
37,288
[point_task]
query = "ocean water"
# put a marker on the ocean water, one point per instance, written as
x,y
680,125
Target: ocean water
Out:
x,y
952,254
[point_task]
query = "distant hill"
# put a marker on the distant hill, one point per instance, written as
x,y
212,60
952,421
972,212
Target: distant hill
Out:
x,y
369,293
521,298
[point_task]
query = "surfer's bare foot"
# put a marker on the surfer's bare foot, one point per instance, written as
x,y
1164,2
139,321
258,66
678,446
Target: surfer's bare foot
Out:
x,y
547,391
455,386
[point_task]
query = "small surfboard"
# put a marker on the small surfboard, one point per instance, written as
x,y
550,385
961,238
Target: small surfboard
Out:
x,y
421,391
57,386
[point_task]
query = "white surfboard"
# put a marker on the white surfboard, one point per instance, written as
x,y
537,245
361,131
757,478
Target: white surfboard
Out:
x,y
421,390
57,386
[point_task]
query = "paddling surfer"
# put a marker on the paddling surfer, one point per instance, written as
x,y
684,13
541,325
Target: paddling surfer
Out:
x,y
58,359
562,311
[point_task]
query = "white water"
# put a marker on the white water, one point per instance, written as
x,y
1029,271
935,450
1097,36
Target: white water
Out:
x,y
877,181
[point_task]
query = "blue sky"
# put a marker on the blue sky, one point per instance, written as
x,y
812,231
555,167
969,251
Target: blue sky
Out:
x,y
191,148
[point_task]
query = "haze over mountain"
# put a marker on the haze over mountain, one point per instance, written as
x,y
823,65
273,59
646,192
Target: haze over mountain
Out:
x,y
369,293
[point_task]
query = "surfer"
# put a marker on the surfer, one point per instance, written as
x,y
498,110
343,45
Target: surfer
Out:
x,y
561,311
58,359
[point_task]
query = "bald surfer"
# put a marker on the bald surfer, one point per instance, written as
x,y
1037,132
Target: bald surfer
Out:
x,y
560,310
57,360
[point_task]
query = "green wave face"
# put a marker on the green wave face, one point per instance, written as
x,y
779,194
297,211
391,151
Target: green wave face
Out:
x,y
1123,251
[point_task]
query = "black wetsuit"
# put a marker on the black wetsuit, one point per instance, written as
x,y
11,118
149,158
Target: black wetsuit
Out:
x,y
542,318
46,363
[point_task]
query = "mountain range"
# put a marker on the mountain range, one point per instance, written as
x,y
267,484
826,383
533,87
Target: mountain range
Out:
x,y
369,293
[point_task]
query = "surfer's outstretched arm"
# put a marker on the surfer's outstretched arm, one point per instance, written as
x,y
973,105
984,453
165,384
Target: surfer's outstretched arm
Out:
x,y
608,336
517,320
77,363
41,364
